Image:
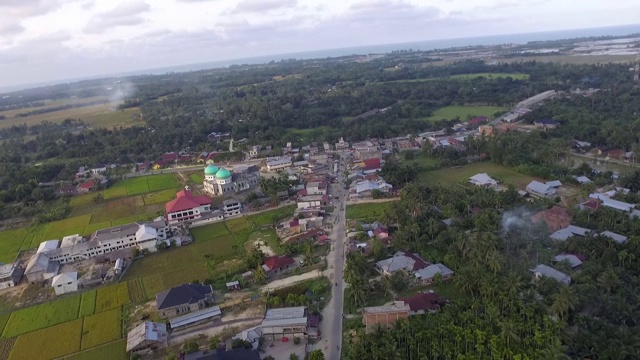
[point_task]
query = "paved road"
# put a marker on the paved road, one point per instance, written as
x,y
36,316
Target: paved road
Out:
x,y
187,168
332,317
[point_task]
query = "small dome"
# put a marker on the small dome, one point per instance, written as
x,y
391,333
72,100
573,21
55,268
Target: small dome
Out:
x,y
211,170
223,174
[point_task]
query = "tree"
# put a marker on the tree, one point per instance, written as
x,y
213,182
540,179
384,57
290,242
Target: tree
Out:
x,y
214,341
563,301
259,276
316,355
98,198
293,356
190,347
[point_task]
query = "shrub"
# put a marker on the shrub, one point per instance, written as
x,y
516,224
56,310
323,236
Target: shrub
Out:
x,y
296,340
190,347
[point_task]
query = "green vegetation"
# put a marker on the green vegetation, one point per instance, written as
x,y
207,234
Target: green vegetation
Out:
x,y
461,174
491,76
196,178
209,231
4,318
137,292
112,351
87,303
49,343
239,224
41,316
101,328
159,197
272,216
464,113
112,296
368,211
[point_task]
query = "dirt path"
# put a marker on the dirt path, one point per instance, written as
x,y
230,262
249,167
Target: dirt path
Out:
x,y
274,285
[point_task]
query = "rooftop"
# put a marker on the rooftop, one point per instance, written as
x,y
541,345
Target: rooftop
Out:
x,y
195,316
64,278
395,307
146,331
182,294
550,272
285,313
185,200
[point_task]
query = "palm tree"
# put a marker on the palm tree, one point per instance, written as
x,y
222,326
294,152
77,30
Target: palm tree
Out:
x,y
563,301
358,292
509,332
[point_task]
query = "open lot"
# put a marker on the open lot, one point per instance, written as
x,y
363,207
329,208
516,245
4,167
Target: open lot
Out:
x,y
367,211
49,343
238,224
272,216
464,113
461,174
42,316
514,76
101,328
208,232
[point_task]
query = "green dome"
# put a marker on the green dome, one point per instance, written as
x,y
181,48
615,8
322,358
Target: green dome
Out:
x,y
223,174
211,170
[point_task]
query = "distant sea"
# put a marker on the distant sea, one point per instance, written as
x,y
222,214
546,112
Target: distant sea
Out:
x,y
372,49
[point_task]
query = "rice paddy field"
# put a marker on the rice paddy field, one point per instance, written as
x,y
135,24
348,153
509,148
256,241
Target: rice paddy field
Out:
x,y
52,342
461,174
41,316
464,113
101,328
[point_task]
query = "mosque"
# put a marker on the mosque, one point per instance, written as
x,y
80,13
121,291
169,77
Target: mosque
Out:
x,y
220,181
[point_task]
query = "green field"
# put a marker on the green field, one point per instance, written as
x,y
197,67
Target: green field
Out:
x,y
61,228
42,316
269,217
239,224
49,343
464,113
196,178
368,211
159,197
87,303
140,185
422,160
208,232
514,76
111,297
112,351
101,328
461,174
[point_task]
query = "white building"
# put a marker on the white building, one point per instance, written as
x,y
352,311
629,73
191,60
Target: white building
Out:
x,y
10,275
47,246
280,164
220,181
540,189
316,188
139,235
232,207
40,268
186,207
146,335
483,180
65,283
547,271
284,322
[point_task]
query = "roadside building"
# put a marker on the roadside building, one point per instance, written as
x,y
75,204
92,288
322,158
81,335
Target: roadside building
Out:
x,y
10,275
422,303
384,316
540,189
186,207
279,164
208,315
428,274
147,336
284,322
65,283
401,261
183,299
232,207
276,264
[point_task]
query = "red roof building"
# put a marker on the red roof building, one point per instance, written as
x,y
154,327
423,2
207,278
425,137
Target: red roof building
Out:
x,y
373,163
86,186
615,154
186,207
421,303
556,218
478,120
277,263
170,156
591,204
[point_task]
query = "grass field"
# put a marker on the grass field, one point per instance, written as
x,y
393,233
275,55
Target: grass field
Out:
x,y
112,351
159,197
73,225
269,217
136,290
111,297
422,160
41,316
514,76
87,303
464,113
208,232
140,185
367,212
11,241
239,224
196,178
461,174
49,343
101,328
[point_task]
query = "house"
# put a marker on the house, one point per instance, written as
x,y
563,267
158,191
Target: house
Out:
x,y
570,231
275,264
169,157
617,154
10,275
574,260
207,315
285,322
67,190
477,121
202,157
546,124
620,239
40,268
255,150
252,335
556,218
48,246
85,187
183,299
483,180
372,165
401,260
279,164
147,335
234,285
65,283
427,302
186,207
598,150
486,130
591,204
540,189
614,204
427,275
224,354
98,169
384,316
158,165
582,180
316,188
547,271
232,207
554,184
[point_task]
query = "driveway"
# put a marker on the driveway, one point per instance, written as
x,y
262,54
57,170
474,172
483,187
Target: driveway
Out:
x,y
291,280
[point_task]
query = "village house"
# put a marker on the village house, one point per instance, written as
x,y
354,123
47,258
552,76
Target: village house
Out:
x,y
183,299
617,154
209,315
401,261
606,201
540,189
570,231
40,268
384,316
284,322
65,283
423,303
275,165
574,260
147,335
486,130
546,124
555,218
10,275
542,270
427,275
85,187
483,180
620,239
316,188
275,264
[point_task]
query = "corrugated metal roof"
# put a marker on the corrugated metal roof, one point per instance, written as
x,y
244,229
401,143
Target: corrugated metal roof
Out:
x,y
195,317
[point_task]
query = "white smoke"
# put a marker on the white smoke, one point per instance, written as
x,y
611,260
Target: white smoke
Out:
x,y
516,219
120,92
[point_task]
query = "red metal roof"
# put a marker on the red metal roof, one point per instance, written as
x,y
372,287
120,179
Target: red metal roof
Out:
x,y
372,163
185,200
425,302
87,185
169,156
615,153
277,262
478,120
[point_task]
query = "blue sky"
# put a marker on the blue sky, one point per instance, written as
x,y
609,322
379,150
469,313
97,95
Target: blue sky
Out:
x,y
46,40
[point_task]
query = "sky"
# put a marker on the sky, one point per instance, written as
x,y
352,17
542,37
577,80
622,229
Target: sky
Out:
x,y
48,40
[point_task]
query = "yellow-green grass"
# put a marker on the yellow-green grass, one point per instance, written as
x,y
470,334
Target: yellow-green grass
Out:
x,y
117,209
5,347
153,285
41,316
84,199
162,182
159,197
115,192
368,211
35,235
87,304
268,236
48,104
49,343
464,113
4,318
568,59
514,76
196,178
61,228
11,242
209,231
423,160
268,217
111,297
239,224
461,174
136,290
103,115
116,350
101,328
138,187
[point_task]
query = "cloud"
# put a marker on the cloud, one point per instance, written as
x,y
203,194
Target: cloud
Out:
x,y
195,1
7,29
259,6
28,8
126,14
